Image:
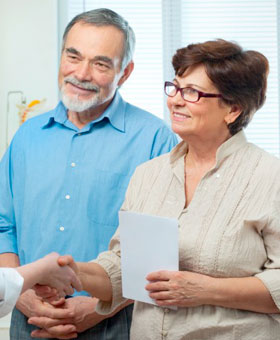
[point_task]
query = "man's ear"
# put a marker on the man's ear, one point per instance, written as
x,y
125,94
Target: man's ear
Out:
x,y
126,73
233,114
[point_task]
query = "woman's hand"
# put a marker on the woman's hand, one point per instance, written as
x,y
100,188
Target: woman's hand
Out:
x,y
179,288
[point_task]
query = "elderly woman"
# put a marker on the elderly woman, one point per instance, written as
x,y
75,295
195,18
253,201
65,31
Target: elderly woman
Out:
x,y
225,193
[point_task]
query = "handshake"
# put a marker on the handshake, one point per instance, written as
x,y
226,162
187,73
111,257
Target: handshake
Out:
x,y
54,275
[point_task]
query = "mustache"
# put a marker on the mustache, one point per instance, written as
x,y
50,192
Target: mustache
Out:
x,y
83,84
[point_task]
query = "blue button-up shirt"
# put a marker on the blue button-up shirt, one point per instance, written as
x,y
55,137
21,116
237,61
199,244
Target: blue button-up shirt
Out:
x,y
61,187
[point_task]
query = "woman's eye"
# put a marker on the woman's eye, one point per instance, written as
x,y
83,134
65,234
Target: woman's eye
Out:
x,y
189,90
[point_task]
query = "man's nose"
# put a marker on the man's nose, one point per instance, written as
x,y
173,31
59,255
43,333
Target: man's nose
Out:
x,y
83,72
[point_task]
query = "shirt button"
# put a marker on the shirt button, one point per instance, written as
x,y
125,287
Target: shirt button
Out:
x,y
164,333
61,228
218,175
73,164
166,310
67,197
79,134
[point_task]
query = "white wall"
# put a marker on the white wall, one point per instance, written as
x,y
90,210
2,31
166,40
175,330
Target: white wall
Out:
x,y
28,59
28,62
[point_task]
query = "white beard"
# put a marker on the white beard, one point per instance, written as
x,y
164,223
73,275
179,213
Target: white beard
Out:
x,y
74,103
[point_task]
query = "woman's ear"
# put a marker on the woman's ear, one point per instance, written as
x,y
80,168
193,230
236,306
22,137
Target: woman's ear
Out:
x,y
233,114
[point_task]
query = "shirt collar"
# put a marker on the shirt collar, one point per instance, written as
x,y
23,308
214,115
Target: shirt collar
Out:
x,y
226,149
115,113
58,115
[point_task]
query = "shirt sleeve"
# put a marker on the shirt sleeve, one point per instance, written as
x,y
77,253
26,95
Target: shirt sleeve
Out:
x,y
8,242
270,276
11,283
164,141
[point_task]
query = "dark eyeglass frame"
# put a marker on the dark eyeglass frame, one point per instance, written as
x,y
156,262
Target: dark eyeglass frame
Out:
x,y
180,89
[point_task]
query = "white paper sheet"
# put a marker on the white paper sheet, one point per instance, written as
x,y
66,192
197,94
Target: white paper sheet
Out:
x,y
148,244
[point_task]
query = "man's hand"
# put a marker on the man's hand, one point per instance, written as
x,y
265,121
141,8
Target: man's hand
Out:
x,y
33,306
84,317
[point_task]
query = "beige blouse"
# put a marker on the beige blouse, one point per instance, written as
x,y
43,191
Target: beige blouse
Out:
x,y
231,228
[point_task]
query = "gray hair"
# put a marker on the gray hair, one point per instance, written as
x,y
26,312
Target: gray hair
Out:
x,y
107,17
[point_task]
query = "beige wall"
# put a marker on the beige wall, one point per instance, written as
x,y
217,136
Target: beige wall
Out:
x,y
28,59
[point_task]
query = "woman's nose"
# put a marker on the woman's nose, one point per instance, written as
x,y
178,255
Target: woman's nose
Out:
x,y
177,99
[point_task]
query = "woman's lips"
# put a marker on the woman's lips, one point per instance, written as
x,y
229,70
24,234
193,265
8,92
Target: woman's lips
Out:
x,y
177,116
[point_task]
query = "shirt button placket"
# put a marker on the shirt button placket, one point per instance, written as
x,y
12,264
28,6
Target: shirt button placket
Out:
x,y
164,334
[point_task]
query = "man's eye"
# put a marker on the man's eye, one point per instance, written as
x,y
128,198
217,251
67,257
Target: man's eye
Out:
x,y
102,66
72,57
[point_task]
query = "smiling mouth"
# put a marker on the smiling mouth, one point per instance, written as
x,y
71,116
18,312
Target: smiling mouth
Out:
x,y
180,116
80,89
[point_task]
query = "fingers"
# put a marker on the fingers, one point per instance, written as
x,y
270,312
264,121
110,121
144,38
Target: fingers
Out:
x,y
65,260
55,300
63,331
42,333
157,286
57,313
76,283
44,322
58,302
68,290
45,291
166,303
162,275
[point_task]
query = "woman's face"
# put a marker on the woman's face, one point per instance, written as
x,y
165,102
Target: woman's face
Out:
x,y
205,119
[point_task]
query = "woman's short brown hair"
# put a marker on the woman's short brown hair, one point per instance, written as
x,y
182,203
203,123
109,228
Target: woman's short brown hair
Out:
x,y
240,76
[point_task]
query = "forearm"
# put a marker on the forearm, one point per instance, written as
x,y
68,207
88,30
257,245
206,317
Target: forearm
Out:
x,y
95,280
9,260
98,317
31,273
247,293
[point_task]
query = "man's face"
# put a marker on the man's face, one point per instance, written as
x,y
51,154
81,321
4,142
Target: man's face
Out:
x,y
90,67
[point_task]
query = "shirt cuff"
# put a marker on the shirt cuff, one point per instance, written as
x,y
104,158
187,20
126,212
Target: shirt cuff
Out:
x,y
113,270
8,243
11,286
271,279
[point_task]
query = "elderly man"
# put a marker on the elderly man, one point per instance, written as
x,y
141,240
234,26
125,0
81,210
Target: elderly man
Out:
x,y
64,176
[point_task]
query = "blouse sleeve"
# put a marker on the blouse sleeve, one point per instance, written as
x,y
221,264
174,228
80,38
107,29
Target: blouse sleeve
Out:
x,y
270,276
10,287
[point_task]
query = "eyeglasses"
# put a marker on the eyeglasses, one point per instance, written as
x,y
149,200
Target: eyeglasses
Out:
x,y
188,93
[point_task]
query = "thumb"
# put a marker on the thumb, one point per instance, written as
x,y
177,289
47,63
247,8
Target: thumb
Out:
x,y
65,260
